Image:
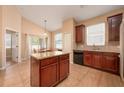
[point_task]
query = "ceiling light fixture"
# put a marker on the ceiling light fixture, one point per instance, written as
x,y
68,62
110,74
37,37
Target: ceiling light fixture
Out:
x,y
45,30
45,24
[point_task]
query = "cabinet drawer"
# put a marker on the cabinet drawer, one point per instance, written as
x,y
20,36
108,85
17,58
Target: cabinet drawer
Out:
x,y
49,61
64,57
110,54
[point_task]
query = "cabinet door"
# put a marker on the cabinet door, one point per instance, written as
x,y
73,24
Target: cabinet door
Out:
x,y
110,63
88,59
79,33
64,69
49,75
97,60
34,72
114,27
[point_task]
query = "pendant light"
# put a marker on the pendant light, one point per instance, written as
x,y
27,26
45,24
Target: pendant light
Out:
x,y
45,33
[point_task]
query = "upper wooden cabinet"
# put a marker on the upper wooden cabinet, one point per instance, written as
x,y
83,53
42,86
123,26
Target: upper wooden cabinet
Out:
x,y
79,33
114,27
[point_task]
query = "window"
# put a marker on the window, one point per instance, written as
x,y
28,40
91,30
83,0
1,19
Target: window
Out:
x,y
96,34
44,43
8,40
35,42
58,41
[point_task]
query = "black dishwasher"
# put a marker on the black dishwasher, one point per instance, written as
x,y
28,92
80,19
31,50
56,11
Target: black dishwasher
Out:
x,y
78,57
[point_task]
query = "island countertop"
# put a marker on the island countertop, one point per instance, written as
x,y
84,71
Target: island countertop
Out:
x,y
44,55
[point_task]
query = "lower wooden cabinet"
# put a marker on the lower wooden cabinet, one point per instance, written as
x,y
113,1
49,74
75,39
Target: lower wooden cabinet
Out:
x,y
97,60
102,60
111,63
50,71
64,69
49,75
34,72
88,59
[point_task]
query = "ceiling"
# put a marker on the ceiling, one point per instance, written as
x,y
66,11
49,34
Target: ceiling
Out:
x,y
56,14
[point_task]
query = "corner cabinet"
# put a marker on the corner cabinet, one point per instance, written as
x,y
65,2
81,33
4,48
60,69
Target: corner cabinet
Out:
x,y
49,71
114,23
106,61
79,33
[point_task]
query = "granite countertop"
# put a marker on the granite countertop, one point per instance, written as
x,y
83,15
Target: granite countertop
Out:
x,y
44,55
100,50
103,51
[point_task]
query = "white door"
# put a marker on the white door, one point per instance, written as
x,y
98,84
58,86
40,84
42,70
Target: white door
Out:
x,y
67,45
15,47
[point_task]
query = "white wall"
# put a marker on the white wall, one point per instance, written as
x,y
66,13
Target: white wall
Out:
x,y
30,28
11,20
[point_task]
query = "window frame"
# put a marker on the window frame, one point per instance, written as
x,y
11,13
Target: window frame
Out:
x,y
104,35
55,41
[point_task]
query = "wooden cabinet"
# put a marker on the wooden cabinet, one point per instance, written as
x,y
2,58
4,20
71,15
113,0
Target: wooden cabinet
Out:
x,y
102,60
49,71
97,60
34,71
88,58
64,66
79,33
114,27
111,62
49,75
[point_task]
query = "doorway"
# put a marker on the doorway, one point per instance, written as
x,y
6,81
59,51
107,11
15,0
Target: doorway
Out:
x,y
11,45
68,45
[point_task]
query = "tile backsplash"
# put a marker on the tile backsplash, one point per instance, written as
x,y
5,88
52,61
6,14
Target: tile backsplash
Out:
x,y
114,48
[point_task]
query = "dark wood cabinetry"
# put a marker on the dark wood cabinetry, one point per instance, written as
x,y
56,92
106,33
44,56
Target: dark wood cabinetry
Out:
x,y
64,66
34,71
49,75
114,27
50,71
79,33
97,60
110,62
102,60
88,58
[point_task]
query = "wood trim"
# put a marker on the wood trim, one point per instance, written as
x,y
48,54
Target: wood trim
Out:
x,y
114,15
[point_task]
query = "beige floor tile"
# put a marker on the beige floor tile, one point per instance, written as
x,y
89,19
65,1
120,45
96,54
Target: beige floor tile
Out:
x,y
18,75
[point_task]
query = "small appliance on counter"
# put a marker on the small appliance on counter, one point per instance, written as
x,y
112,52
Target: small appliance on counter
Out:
x,y
78,57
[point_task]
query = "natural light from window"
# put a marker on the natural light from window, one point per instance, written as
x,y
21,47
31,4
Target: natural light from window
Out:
x,y
96,34
58,41
8,40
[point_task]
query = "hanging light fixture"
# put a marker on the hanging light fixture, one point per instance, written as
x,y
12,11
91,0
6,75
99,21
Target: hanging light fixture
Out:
x,y
45,33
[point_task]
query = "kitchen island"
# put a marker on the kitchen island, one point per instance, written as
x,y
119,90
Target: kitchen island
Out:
x,y
48,68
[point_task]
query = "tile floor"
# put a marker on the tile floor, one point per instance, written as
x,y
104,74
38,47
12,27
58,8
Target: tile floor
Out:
x,y
18,75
